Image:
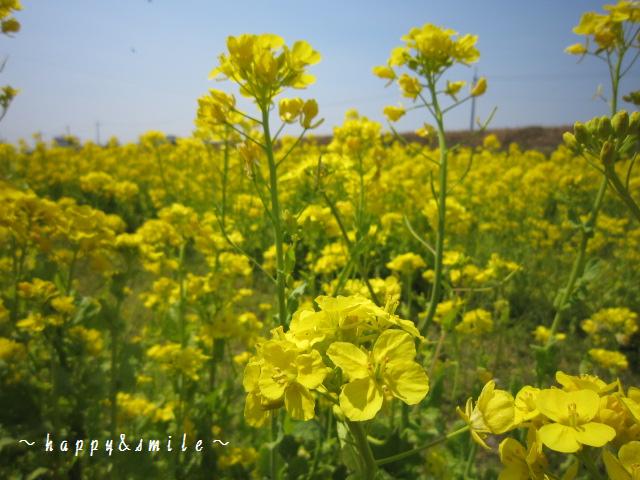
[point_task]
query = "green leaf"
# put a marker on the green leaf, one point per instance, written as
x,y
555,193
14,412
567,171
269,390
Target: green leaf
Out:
x,y
7,441
350,456
37,473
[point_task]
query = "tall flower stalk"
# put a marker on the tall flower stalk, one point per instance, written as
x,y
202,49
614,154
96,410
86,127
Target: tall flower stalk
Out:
x,y
610,37
428,53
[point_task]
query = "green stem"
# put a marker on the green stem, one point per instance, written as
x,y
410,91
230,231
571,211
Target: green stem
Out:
x,y
273,466
615,83
587,459
408,292
470,460
369,464
183,343
72,267
181,301
114,384
276,218
410,453
18,266
225,174
442,209
163,177
353,255
579,263
622,191
113,391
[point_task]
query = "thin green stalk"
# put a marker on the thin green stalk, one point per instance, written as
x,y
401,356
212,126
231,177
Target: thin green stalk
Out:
x,y
113,384
352,254
72,267
276,218
579,263
225,174
273,467
181,302
622,192
369,464
163,178
113,390
410,453
183,344
587,230
470,459
442,209
587,460
408,278
18,266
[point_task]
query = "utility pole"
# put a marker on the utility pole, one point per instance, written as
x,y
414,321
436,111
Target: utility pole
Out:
x,y
98,133
473,101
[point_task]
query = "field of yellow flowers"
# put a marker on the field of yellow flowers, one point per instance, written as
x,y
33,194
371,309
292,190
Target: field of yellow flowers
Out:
x,y
250,304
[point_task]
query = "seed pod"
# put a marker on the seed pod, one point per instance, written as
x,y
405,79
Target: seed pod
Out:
x,y
604,127
608,153
620,123
581,133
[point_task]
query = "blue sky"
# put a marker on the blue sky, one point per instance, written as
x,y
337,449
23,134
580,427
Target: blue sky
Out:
x,y
138,65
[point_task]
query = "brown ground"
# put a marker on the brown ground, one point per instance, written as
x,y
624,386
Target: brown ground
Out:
x,y
544,139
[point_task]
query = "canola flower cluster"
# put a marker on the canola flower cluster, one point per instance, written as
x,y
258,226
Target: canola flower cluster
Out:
x,y
372,347
584,412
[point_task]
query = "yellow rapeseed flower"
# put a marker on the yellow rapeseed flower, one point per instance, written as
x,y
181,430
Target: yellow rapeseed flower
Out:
x,y
493,413
388,370
288,374
572,414
394,114
627,465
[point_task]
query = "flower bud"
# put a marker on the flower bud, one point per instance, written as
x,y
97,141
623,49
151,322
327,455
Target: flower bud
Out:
x,y
576,49
385,72
393,114
592,125
570,140
479,88
608,153
604,127
634,123
309,112
290,109
581,133
620,123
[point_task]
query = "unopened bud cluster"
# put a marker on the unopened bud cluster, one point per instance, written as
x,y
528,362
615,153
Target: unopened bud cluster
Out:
x,y
608,139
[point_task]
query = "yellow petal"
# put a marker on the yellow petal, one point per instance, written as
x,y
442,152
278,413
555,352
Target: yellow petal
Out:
x,y
251,376
587,403
394,345
407,381
349,358
299,402
271,383
361,399
629,455
633,407
576,49
559,437
595,434
254,414
615,470
512,456
311,369
553,404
